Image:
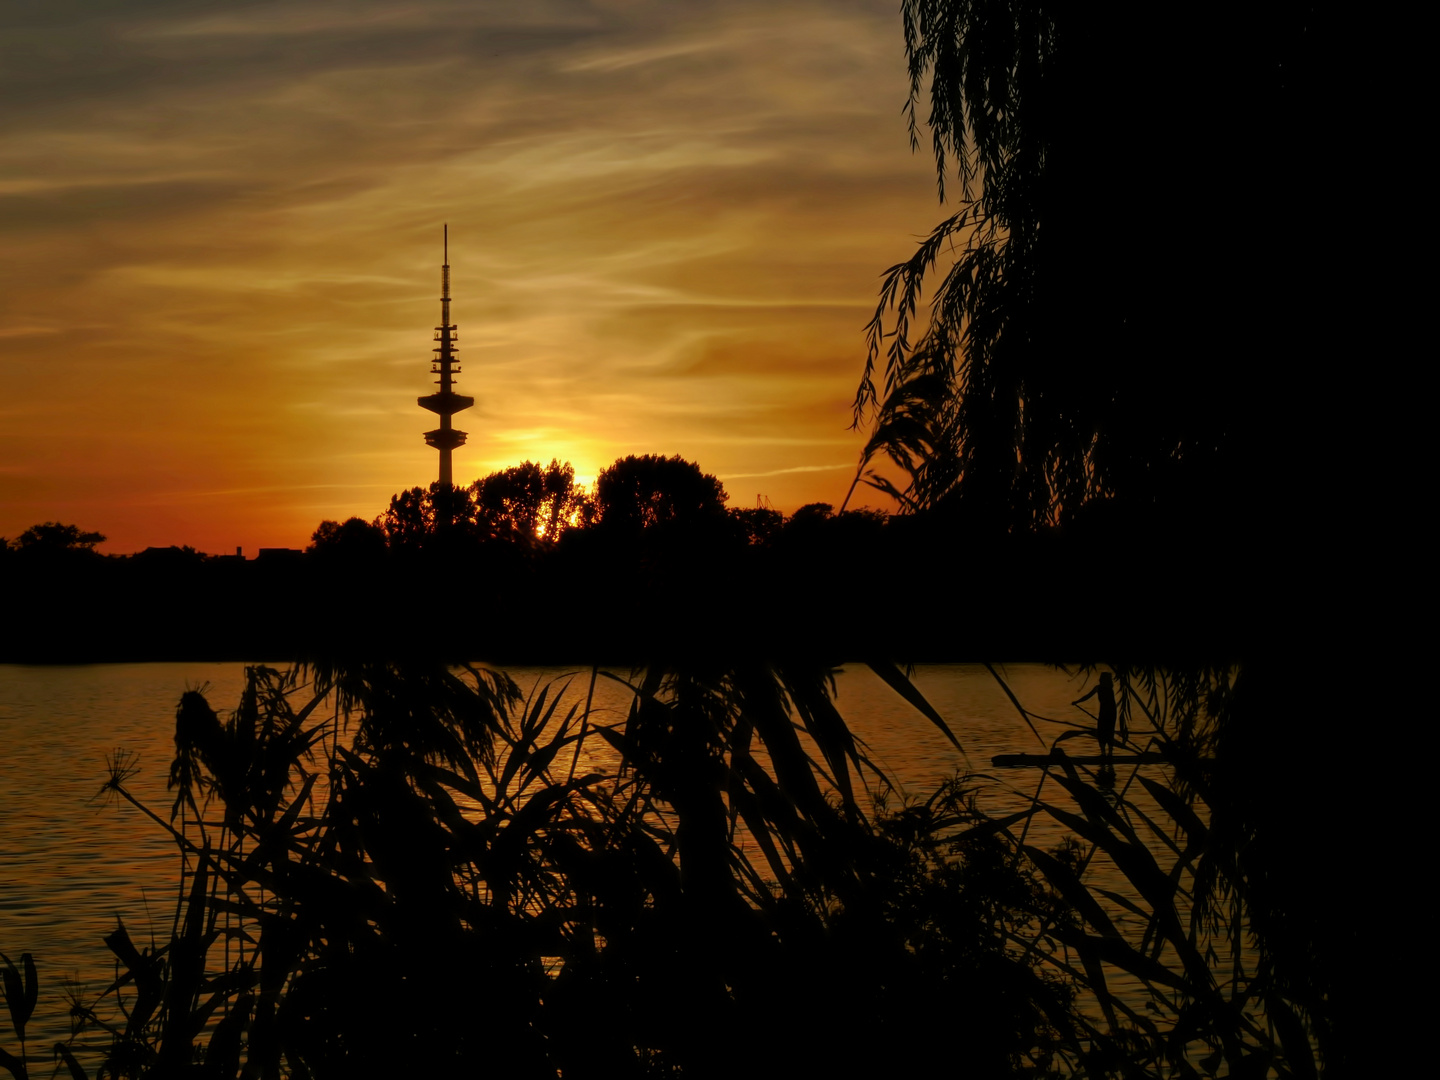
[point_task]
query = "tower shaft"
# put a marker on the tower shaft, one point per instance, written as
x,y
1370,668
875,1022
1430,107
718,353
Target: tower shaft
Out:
x,y
446,402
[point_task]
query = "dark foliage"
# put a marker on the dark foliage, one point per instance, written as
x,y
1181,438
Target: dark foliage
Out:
x,y
650,490
1101,334
413,872
686,587
1105,353
351,541
418,871
760,525
527,502
437,521
52,540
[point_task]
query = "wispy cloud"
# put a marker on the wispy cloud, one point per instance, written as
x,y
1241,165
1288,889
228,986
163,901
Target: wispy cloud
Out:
x,y
849,465
667,224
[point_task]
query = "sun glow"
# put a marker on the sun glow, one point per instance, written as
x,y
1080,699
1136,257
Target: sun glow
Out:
x,y
666,235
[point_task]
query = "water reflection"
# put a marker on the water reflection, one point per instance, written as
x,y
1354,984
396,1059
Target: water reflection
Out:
x,y
73,864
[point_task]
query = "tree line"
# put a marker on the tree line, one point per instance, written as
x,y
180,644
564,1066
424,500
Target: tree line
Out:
x,y
526,564
538,507
530,506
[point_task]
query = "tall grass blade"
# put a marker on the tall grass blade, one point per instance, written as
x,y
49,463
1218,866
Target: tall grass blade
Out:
x,y
1024,713
1197,834
14,1064
1072,889
71,1065
894,678
17,997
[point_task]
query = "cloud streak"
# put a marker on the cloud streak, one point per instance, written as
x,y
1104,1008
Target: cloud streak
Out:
x,y
668,223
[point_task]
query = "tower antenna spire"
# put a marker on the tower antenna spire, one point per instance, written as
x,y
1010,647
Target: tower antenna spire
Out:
x,y
446,402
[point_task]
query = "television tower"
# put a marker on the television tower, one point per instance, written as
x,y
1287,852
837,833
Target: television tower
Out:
x,y
445,438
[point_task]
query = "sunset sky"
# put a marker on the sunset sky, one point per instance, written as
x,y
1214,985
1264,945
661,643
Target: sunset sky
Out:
x,y
220,226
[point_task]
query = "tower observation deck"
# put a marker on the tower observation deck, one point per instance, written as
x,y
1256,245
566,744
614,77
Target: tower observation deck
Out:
x,y
446,402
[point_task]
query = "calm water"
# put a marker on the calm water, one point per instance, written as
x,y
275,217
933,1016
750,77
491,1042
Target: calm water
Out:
x,y
71,862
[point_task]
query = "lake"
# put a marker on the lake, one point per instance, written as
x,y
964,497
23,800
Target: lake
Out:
x,y
72,861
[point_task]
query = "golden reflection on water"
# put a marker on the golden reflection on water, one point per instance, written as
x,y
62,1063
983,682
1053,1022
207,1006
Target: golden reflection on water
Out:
x,y
73,862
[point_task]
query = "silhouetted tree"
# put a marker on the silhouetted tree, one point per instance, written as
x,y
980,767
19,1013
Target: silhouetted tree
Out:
x,y
758,525
354,540
818,547
55,538
818,511
419,517
638,492
1075,349
172,557
804,528
408,520
526,501
1108,333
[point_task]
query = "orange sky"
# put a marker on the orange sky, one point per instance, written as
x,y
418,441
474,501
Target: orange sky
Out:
x,y
221,236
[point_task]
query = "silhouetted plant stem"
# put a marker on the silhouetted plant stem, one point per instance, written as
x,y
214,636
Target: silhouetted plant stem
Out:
x,y
721,872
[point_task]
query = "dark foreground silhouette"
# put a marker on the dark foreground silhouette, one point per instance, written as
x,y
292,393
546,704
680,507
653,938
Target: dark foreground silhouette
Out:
x,y
404,870
522,567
